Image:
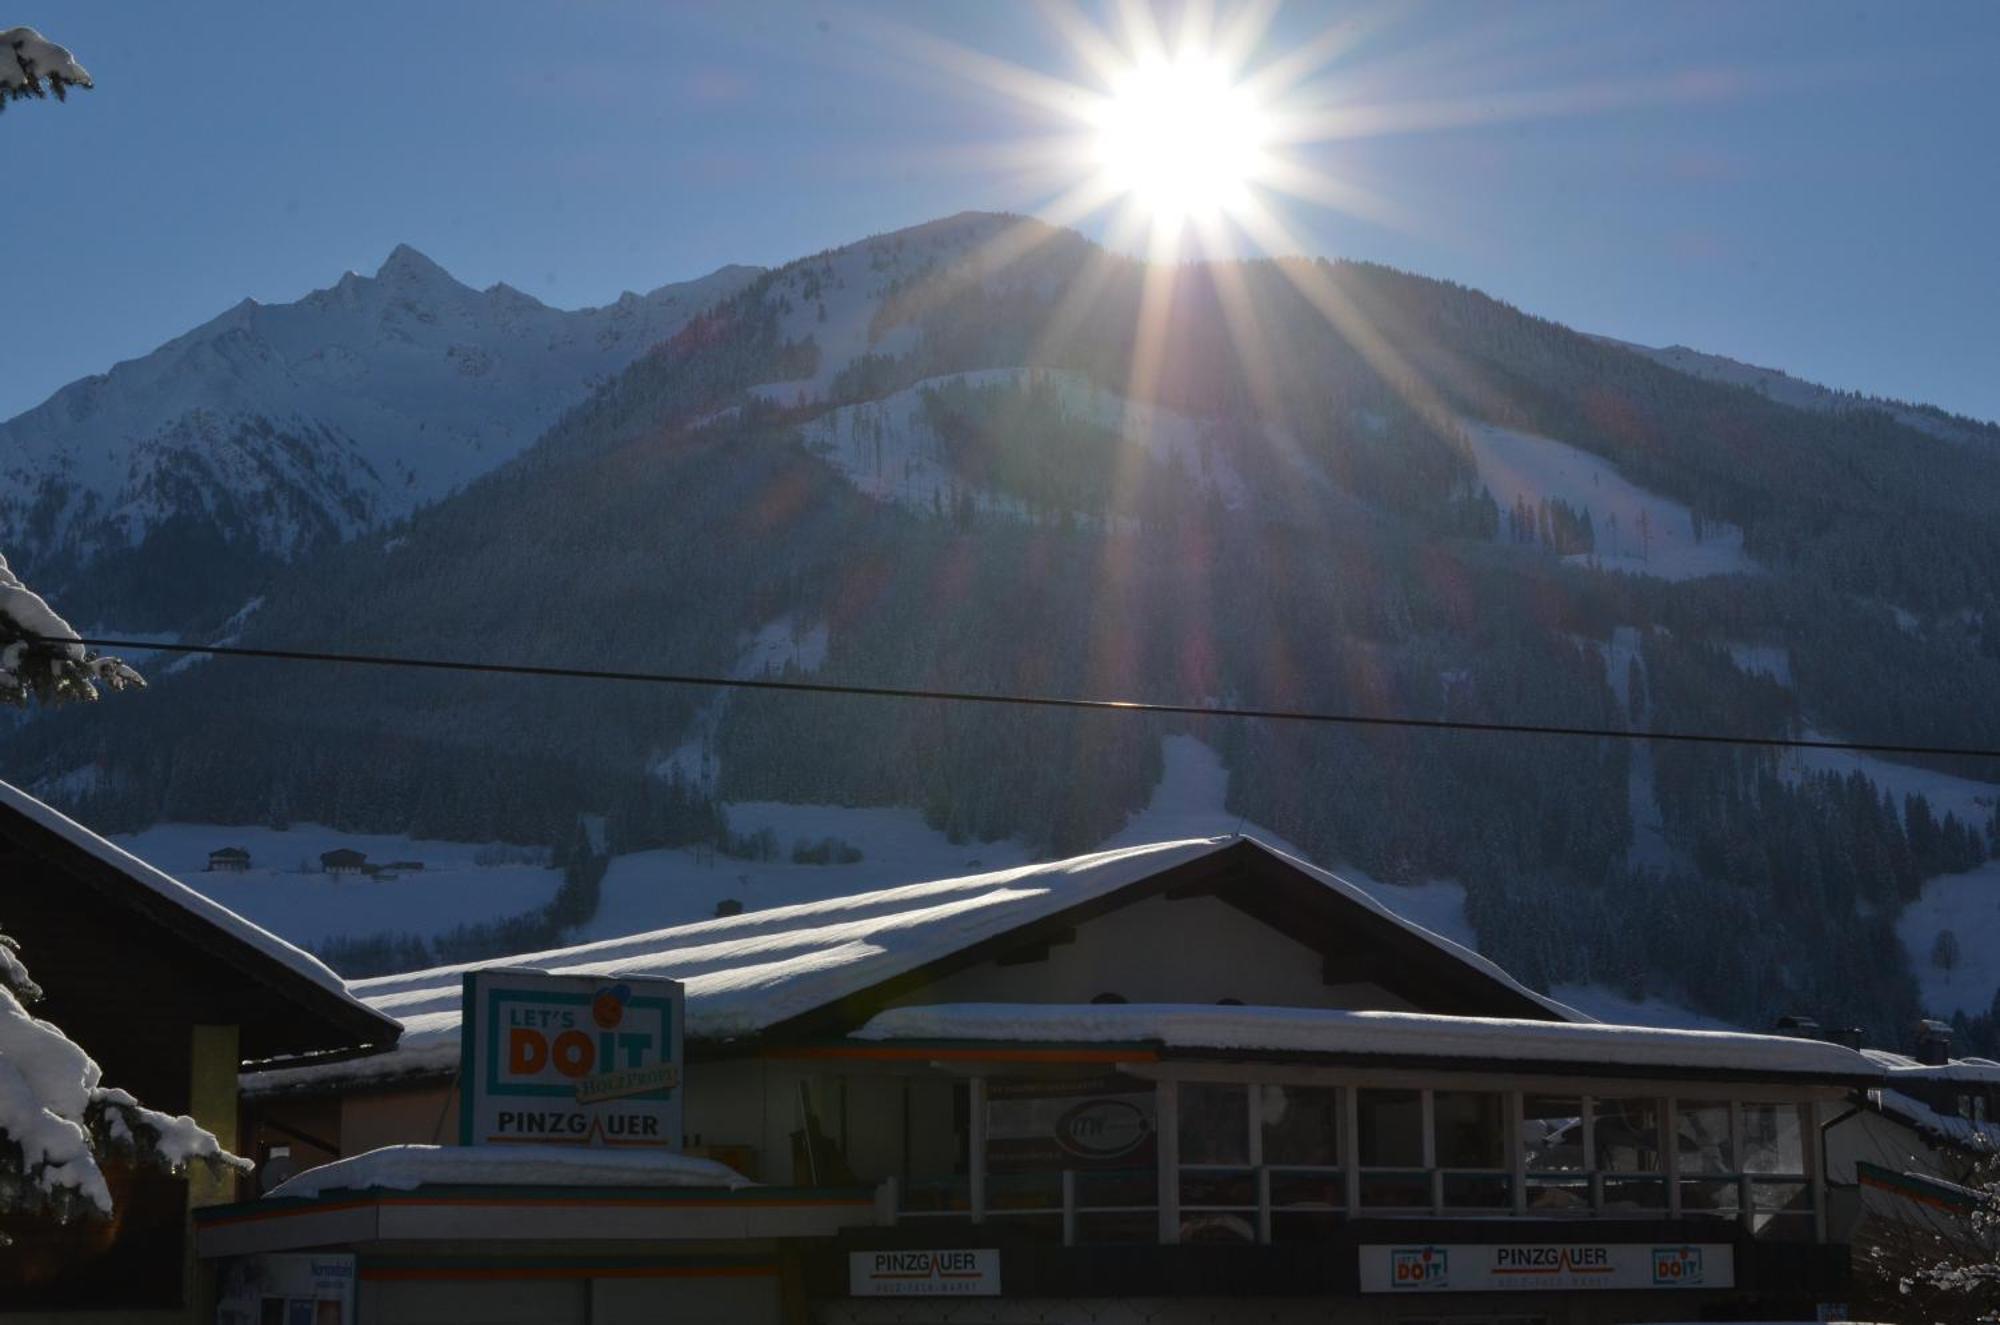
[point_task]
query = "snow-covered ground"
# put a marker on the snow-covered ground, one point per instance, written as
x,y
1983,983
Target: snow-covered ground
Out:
x,y
887,449
1969,906
653,889
1607,1005
461,883
1636,530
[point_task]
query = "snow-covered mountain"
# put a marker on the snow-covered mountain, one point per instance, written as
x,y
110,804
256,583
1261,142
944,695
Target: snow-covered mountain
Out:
x,y
286,425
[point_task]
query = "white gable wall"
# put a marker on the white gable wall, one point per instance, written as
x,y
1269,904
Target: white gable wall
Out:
x,y
1197,950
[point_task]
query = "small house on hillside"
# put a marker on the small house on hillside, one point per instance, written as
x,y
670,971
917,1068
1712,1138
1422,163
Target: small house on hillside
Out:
x,y
229,858
343,860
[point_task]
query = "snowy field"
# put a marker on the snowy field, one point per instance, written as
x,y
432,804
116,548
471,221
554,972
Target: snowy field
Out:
x,y
653,889
286,894
1969,906
1516,464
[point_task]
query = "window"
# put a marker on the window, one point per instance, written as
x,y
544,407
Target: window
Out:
x,y
1218,1186
1552,1153
1626,1140
1705,1152
1774,1162
1301,1126
1469,1142
1389,1140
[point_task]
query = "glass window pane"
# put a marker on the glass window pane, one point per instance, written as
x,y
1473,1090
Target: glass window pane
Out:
x,y
1308,1191
1389,1128
1795,1197
1628,1195
1470,1129
1116,1187
1301,1124
1773,1139
1226,1187
1701,1137
1558,1195
1552,1134
1478,1191
1709,1196
1627,1135
1215,1124
1396,1191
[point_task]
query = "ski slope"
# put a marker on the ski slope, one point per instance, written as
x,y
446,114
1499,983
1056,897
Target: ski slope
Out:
x,y
1637,530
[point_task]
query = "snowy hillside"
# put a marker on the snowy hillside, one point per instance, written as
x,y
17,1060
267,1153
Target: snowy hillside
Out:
x,y
1636,530
888,449
1778,385
865,299
286,424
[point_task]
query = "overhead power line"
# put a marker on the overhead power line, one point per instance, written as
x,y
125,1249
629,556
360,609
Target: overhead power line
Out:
x,y
1036,701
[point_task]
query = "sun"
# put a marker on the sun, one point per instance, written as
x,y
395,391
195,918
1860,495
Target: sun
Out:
x,y
1180,139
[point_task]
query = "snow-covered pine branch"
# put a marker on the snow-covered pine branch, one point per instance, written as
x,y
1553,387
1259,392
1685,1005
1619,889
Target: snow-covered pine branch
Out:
x,y
58,1121
40,655
33,66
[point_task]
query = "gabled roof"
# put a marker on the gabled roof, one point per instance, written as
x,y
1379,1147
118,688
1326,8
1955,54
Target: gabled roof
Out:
x,y
824,968
287,1002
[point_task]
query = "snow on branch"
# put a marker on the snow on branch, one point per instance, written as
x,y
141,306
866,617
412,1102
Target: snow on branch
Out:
x,y
58,1121
41,656
33,66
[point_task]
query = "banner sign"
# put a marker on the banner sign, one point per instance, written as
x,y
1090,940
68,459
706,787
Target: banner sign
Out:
x,y
570,1060
959,1272
1048,1126
1467,1268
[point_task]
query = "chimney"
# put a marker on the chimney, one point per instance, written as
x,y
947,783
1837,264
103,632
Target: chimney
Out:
x,y
1933,1043
1799,1028
1850,1036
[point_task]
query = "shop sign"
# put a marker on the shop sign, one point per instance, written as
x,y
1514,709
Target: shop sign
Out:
x,y
1049,1125
570,1060
1476,1268
953,1272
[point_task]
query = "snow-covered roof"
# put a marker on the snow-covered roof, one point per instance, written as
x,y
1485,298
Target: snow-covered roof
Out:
x,y
748,972
1966,1133
404,1168
1902,1067
218,918
1370,1034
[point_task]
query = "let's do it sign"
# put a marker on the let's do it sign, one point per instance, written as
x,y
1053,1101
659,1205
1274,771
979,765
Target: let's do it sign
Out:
x,y
570,1060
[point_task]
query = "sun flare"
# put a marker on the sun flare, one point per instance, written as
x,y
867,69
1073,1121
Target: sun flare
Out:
x,y
1181,139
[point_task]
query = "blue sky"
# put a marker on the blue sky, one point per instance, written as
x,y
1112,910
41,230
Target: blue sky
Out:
x,y
1810,186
